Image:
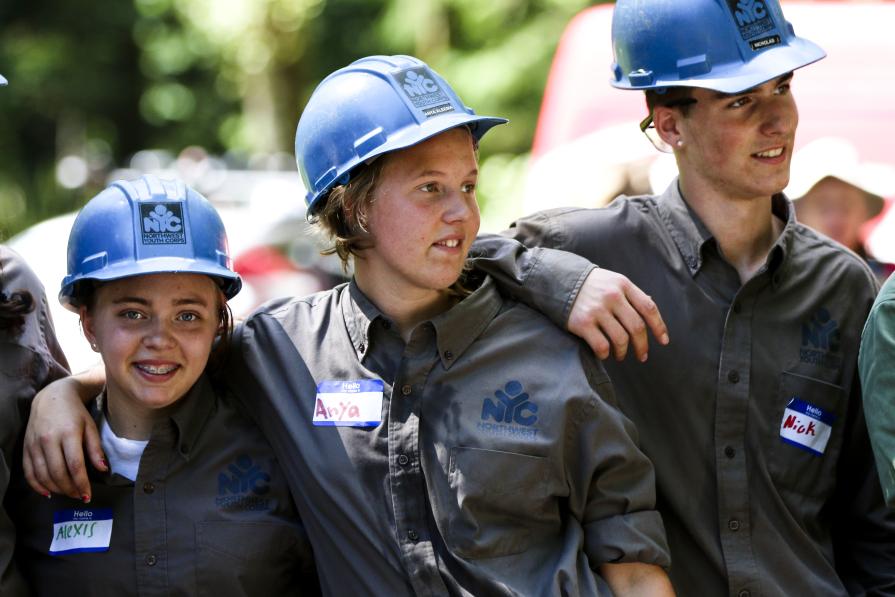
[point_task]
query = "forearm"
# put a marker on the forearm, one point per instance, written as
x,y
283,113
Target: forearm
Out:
x,y
636,580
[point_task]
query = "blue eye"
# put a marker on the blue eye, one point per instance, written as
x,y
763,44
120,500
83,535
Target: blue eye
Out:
x,y
132,315
189,317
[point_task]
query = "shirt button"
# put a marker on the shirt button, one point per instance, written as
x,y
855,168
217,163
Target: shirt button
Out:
x,y
148,487
448,355
151,560
743,593
413,535
361,348
733,524
734,376
729,452
403,460
406,389
736,307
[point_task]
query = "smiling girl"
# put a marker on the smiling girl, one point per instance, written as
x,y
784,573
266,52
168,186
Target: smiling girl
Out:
x,y
193,501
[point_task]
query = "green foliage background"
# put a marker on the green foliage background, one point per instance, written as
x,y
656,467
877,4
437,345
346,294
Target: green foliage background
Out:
x,y
102,80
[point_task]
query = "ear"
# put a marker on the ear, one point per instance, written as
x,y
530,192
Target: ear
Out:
x,y
667,123
87,327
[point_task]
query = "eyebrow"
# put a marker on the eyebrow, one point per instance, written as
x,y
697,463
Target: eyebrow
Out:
x,y
142,301
780,80
425,173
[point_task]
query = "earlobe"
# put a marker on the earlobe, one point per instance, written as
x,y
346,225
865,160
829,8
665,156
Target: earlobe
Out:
x,y
665,120
87,328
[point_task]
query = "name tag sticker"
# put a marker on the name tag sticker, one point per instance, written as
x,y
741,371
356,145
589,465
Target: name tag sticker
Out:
x,y
806,426
81,530
349,403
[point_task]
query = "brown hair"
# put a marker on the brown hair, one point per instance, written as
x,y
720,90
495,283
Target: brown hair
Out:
x,y
672,96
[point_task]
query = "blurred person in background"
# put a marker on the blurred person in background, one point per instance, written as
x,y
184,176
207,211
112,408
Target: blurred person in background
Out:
x,y
192,499
836,194
30,357
755,425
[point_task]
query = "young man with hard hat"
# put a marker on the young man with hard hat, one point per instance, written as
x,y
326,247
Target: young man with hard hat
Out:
x,y
754,421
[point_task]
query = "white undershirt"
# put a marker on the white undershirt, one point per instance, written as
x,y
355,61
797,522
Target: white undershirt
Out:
x,y
123,454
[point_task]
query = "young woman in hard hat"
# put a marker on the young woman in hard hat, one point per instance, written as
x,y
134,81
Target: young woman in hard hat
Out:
x,y
453,442
439,439
193,499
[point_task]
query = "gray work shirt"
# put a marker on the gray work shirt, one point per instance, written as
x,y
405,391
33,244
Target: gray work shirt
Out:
x,y
747,513
495,465
29,360
209,514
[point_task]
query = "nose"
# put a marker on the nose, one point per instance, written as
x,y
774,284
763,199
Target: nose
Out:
x,y
460,207
159,335
781,116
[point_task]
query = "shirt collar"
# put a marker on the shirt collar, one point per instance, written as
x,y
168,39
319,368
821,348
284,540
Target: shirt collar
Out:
x,y
455,329
691,235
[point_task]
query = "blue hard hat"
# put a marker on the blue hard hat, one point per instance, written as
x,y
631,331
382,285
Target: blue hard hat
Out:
x,y
723,45
373,106
146,226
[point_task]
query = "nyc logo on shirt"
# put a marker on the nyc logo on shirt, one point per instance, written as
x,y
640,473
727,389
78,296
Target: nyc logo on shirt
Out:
x,y
512,410
243,485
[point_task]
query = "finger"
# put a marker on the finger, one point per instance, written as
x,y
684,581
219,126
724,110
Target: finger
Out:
x,y
597,341
57,468
617,336
76,468
649,311
31,479
40,475
636,329
94,448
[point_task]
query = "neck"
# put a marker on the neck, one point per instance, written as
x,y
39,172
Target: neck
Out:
x,y
125,422
406,308
745,229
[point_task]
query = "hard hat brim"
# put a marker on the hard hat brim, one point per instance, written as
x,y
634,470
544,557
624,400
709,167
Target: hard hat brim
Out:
x,y
3,80
738,77
230,282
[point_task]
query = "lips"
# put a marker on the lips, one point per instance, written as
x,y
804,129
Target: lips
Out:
x,y
156,371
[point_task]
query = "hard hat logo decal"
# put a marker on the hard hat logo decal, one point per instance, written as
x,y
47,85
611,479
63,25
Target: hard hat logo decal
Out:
x,y
163,224
751,17
424,92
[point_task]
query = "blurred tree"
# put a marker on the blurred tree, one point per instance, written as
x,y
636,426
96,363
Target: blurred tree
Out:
x,y
93,83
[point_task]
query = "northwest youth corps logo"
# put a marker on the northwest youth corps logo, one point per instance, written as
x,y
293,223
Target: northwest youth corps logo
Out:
x,y
752,19
511,410
425,93
821,341
162,224
243,485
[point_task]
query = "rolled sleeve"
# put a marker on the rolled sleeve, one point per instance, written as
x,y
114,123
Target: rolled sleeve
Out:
x,y
547,280
631,537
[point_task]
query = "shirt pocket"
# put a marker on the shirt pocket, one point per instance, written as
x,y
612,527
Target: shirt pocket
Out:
x,y
502,498
247,558
794,467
